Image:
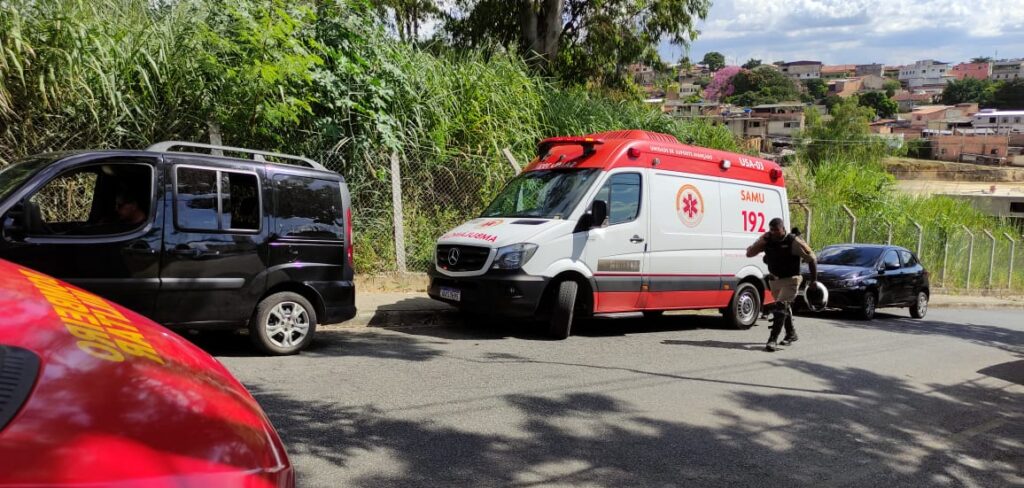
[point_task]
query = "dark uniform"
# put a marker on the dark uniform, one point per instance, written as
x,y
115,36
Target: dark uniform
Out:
x,y
783,258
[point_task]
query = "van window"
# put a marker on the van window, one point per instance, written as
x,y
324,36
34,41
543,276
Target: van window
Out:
x,y
622,194
100,199
200,204
546,194
308,208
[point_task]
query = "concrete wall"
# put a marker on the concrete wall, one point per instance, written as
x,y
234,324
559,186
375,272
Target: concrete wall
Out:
x,y
954,147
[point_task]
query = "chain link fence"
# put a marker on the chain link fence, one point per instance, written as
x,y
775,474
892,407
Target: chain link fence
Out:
x,y
959,258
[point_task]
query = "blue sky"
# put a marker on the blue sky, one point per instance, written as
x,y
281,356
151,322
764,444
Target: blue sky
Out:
x,y
858,31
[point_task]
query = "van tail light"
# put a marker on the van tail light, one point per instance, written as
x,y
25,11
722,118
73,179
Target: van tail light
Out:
x,y
349,244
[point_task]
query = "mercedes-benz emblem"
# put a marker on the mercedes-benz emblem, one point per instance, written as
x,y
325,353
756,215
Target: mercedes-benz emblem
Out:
x,y
453,256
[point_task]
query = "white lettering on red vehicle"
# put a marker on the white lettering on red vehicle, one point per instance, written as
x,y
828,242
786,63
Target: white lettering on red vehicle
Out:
x,y
751,163
682,152
471,235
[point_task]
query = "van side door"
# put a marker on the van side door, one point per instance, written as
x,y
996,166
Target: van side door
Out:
x,y
746,210
214,260
93,221
685,251
614,252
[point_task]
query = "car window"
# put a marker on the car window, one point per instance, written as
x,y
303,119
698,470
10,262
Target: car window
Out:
x,y
216,200
908,258
308,208
99,199
849,256
892,260
622,194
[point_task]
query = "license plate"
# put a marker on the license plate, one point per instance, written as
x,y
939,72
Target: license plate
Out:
x,y
451,293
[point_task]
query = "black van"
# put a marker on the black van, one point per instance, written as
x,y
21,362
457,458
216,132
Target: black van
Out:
x,y
189,237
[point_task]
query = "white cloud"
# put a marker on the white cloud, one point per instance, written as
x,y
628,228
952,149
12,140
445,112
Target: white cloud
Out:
x,y
855,31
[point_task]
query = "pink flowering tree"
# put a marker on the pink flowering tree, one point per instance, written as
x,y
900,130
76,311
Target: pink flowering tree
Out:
x,y
721,83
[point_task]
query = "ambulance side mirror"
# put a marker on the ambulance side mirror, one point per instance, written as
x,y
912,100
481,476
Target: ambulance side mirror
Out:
x,y
598,213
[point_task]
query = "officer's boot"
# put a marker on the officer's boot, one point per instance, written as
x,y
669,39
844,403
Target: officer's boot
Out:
x,y
790,330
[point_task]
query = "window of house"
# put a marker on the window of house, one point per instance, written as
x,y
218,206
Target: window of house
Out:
x,y
309,208
214,200
991,120
995,151
622,193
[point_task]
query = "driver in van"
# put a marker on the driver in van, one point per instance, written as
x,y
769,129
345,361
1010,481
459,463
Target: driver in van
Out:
x,y
782,253
129,212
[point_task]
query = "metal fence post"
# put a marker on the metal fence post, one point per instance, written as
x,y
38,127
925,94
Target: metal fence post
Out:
x,y
1013,245
853,224
398,214
945,254
511,160
970,256
807,222
991,257
888,238
920,237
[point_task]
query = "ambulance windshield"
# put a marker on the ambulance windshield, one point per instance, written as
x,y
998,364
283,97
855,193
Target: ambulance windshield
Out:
x,y
551,194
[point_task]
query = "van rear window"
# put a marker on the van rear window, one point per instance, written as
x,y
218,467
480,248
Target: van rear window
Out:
x,y
309,208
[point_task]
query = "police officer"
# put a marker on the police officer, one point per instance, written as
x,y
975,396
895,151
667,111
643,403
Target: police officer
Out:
x,y
783,253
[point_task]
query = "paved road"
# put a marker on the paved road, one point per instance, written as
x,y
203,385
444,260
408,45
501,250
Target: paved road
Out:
x,y
673,402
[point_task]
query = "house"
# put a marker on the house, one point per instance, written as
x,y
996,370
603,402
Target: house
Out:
x,y
869,69
689,89
925,72
907,101
872,83
892,72
845,87
784,119
943,117
977,71
802,70
882,126
643,75
1000,122
970,148
681,108
1008,69
836,71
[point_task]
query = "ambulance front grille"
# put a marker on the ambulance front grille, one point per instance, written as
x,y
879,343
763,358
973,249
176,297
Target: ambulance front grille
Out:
x,y
464,258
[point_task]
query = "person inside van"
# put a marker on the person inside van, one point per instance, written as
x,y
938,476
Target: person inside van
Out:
x,y
782,253
129,212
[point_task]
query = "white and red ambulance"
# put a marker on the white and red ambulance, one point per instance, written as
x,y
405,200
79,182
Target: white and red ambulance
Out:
x,y
625,221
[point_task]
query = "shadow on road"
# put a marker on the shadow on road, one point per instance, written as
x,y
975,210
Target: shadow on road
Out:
x,y
871,429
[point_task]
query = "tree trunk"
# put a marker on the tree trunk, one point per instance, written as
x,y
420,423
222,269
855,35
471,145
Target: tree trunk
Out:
x,y
541,24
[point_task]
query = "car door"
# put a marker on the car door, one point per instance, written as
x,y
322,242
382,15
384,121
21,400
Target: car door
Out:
x,y
685,251
614,252
913,274
214,263
72,227
891,279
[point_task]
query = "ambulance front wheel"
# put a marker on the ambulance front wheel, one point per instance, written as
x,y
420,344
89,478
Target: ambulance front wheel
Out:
x,y
562,309
744,308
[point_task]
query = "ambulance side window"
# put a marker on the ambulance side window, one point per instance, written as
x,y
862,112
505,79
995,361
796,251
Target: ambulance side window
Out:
x,y
622,193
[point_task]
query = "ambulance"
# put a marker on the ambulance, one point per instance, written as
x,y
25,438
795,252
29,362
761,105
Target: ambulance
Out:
x,y
624,221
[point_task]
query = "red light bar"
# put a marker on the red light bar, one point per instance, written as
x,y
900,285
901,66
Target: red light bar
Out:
x,y
588,144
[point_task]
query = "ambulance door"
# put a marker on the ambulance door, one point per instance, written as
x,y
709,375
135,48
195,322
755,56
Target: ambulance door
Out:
x,y
684,254
614,252
746,211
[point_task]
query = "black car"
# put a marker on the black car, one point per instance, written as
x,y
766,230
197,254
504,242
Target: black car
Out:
x,y
865,277
190,239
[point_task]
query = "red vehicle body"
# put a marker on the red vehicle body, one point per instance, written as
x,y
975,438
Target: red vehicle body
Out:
x,y
92,394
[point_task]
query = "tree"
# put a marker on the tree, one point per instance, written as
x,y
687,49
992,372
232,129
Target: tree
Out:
x,y
1009,95
981,59
579,40
408,15
891,87
714,60
845,137
721,85
968,90
752,63
762,85
816,87
884,106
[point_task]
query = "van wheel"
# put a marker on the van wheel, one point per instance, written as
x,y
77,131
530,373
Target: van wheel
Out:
x,y
920,306
560,323
284,324
744,308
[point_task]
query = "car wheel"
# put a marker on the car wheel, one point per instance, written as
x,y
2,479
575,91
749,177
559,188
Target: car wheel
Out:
x,y
920,307
868,306
284,323
563,308
744,308
653,314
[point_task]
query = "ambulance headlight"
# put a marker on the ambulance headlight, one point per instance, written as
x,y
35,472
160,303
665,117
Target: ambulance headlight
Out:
x,y
514,256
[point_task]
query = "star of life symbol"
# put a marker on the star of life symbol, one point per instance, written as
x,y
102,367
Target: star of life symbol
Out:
x,y
689,206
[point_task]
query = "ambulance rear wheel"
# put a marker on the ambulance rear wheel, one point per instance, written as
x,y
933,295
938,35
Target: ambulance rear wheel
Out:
x,y
744,308
562,309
